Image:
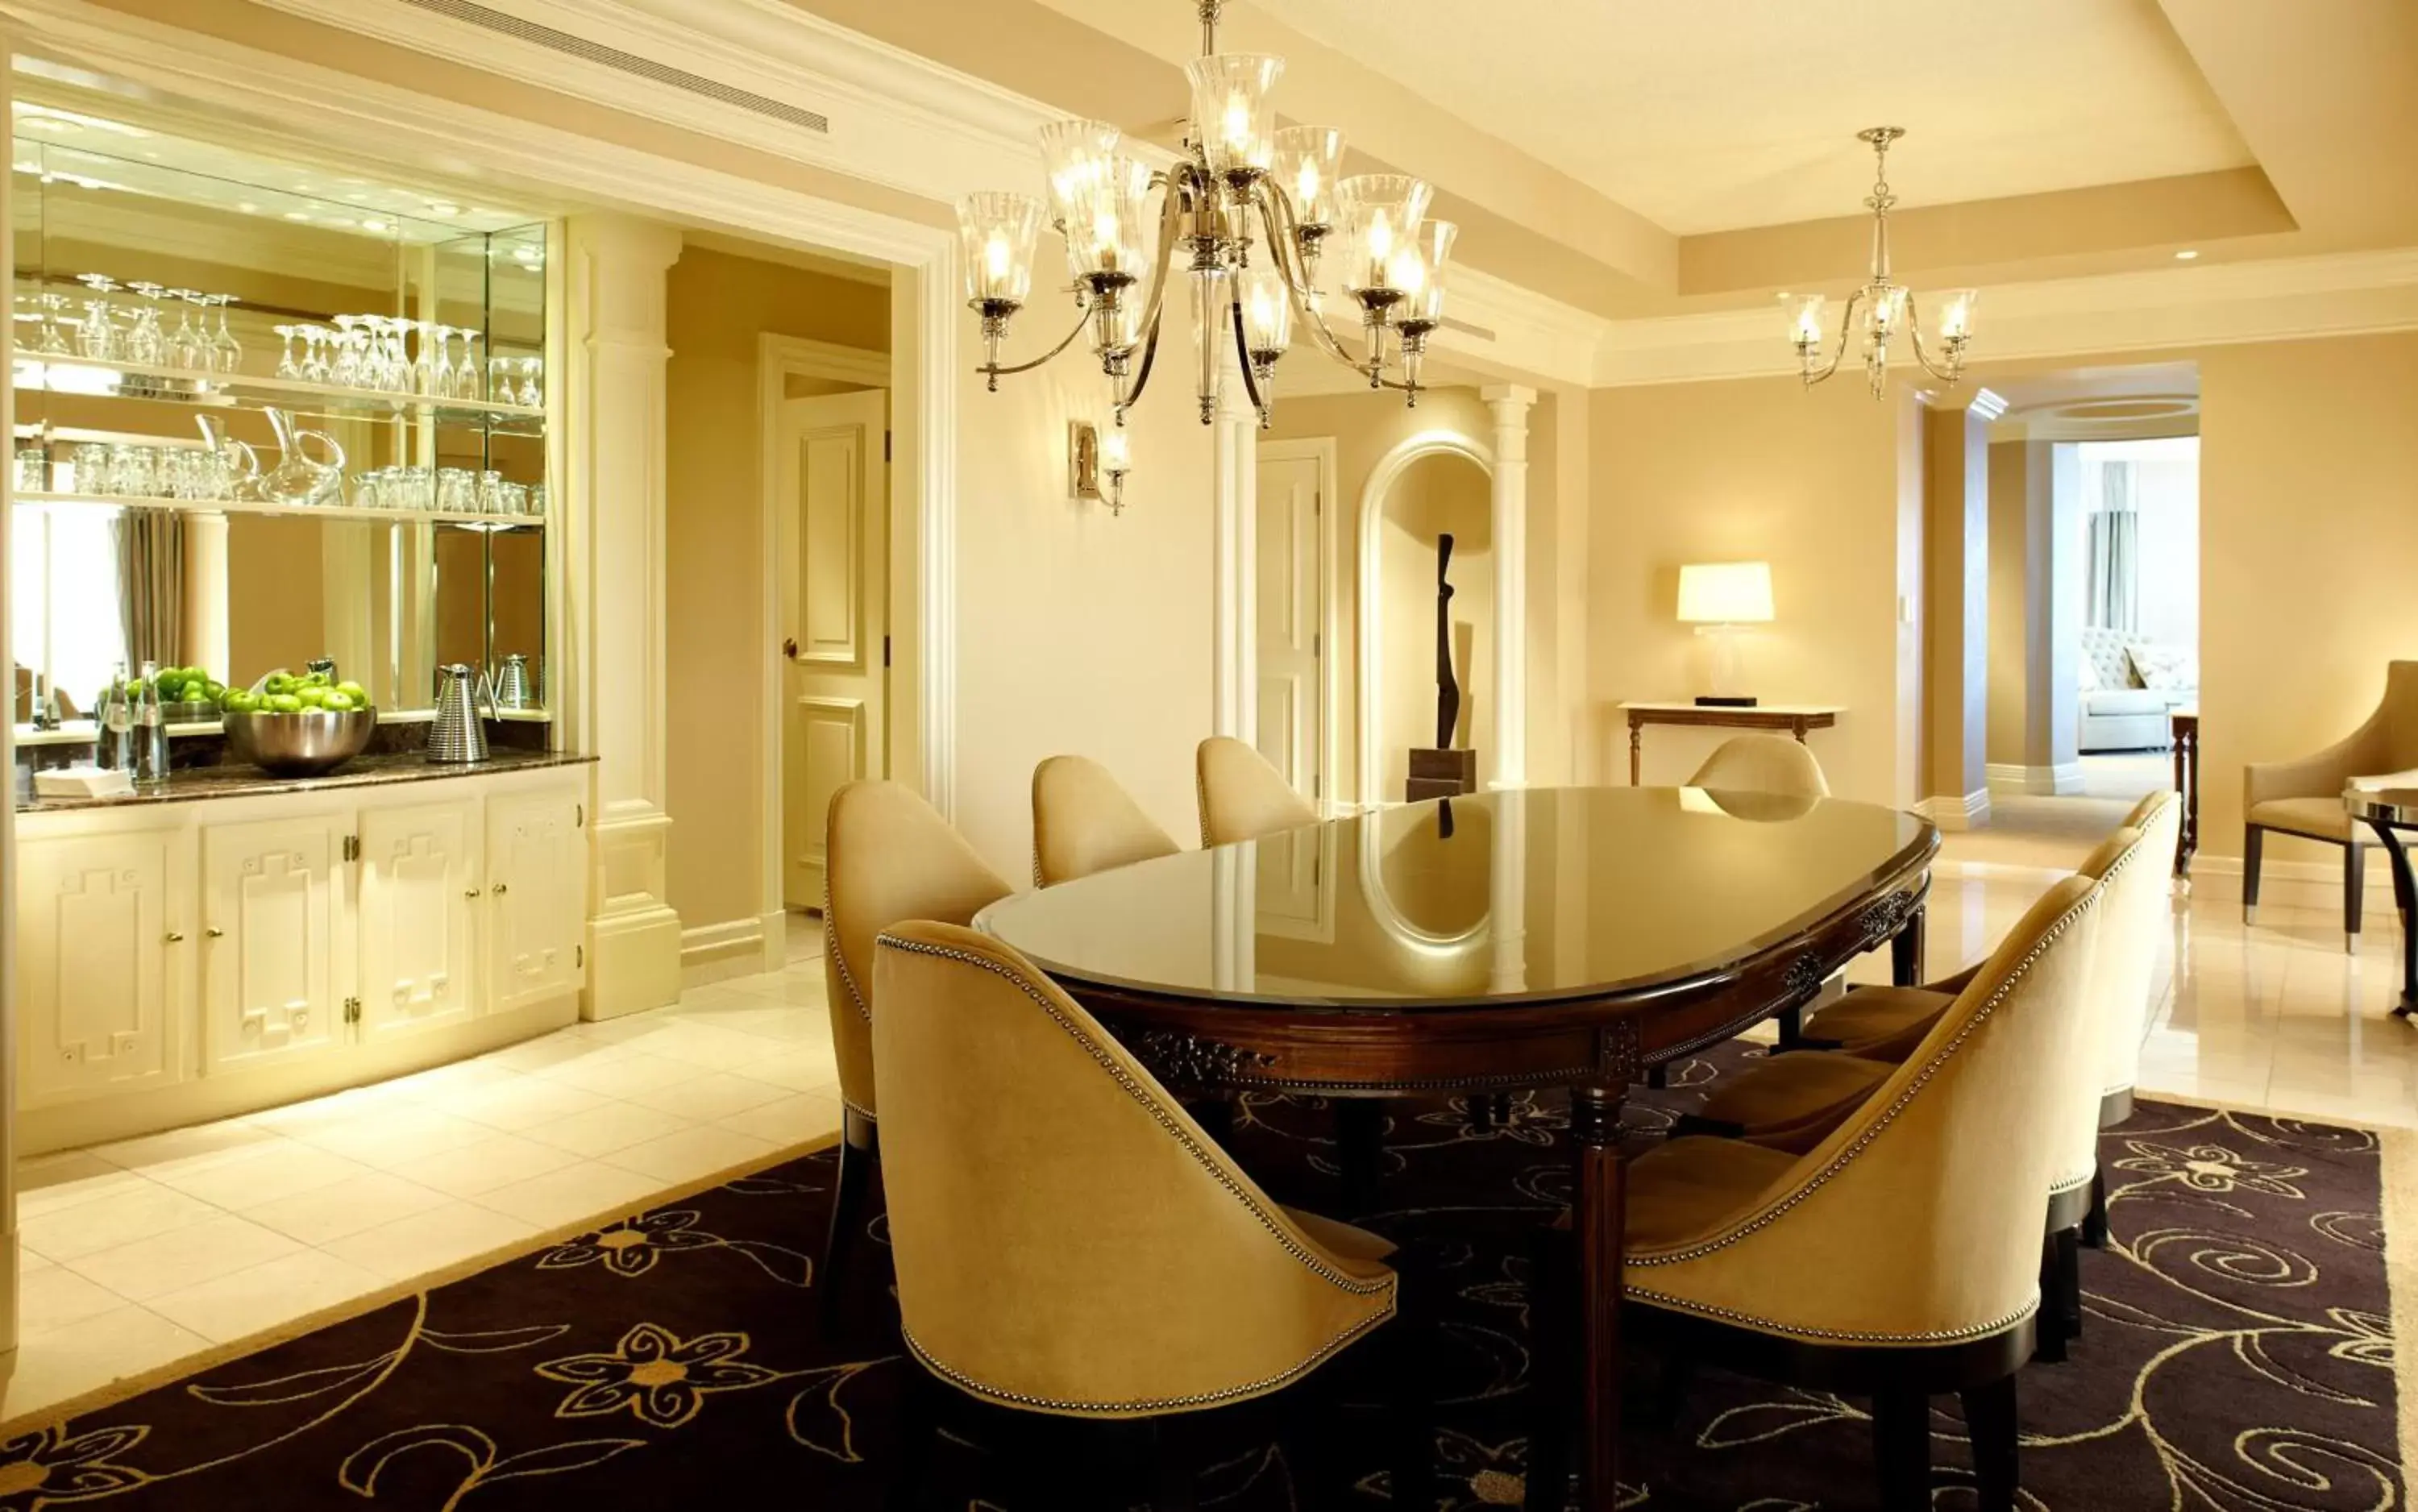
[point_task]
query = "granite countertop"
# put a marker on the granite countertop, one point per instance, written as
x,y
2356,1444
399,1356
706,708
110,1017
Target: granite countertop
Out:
x,y
192,783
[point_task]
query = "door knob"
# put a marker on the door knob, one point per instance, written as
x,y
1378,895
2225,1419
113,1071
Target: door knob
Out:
x,y
471,893
501,889
215,932
789,648
174,938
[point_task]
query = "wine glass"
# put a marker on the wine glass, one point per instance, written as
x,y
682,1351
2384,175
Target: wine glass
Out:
x,y
225,348
346,370
425,364
99,336
51,339
466,376
287,366
316,366
530,395
184,346
439,381
144,340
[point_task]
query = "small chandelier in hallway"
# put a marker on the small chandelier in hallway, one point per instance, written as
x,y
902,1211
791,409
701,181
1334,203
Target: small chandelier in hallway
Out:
x,y
1888,305
1245,213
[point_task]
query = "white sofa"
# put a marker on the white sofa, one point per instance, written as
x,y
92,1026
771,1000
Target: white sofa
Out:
x,y
2127,687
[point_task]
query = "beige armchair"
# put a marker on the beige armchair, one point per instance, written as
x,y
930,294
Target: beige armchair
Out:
x,y
887,856
1763,764
1084,822
1242,796
1898,1255
2304,797
1068,1240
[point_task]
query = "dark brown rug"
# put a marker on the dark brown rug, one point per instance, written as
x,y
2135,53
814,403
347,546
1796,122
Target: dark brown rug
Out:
x,y
2238,1354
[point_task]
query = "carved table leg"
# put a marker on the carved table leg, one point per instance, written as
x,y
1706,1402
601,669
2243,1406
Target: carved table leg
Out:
x,y
1906,951
1598,1208
1360,1149
2405,894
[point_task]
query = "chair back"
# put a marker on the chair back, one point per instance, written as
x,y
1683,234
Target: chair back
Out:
x,y
1083,822
2140,920
1763,764
1243,795
888,855
2399,712
1918,1220
1066,1238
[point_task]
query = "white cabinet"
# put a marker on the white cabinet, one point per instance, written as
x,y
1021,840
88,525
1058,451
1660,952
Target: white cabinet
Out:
x,y
270,908
419,881
102,955
188,960
537,890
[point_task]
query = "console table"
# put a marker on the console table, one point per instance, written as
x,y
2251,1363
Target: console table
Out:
x,y
1787,719
2186,727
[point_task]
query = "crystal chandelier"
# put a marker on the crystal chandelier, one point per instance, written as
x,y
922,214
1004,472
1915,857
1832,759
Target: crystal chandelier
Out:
x,y
1246,212
1888,305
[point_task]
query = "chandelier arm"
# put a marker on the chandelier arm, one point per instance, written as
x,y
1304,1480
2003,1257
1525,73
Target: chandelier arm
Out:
x,y
1132,393
1082,319
1281,229
1952,373
1176,183
1243,356
1846,322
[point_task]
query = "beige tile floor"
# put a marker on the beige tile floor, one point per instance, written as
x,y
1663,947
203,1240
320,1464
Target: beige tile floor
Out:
x,y
141,1253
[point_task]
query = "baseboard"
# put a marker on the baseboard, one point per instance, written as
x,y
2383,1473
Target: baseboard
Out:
x,y
2298,884
717,952
634,963
1949,812
2060,781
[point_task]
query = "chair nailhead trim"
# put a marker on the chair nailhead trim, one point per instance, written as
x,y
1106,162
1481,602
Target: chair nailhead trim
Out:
x,y
1872,1131
1141,1095
1730,1315
1156,1404
830,947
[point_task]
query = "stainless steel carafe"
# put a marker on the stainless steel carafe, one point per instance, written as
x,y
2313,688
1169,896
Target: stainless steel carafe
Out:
x,y
457,735
514,688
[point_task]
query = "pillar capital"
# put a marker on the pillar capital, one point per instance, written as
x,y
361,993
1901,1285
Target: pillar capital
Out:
x,y
1511,396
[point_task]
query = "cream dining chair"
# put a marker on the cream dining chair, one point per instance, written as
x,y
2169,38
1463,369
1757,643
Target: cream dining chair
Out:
x,y
1242,796
1084,822
2304,797
888,856
1068,1240
1772,764
1897,1257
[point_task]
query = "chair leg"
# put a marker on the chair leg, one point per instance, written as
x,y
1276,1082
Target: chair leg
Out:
x,y
1791,1028
2354,885
2094,1224
859,1151
1485,1111
1177,1469
2254,840
1990,1419
919,1440
1409,1396
1901,1450
2048,1346
1555,1381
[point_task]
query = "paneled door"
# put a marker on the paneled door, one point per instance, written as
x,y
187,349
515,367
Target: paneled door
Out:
x,y
832,520
419,883
270,904
1292,606
537,891
100,945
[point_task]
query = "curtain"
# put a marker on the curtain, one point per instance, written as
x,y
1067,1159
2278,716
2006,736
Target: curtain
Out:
x,y
2116,554
151,586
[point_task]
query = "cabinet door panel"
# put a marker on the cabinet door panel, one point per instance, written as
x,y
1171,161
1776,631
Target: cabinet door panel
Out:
x,y
94,966
537,869
415,918
269,986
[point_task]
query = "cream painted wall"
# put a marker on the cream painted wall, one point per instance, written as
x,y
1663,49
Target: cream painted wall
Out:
x,y
1822,485
1440,493
715,555
1956,601
1078,630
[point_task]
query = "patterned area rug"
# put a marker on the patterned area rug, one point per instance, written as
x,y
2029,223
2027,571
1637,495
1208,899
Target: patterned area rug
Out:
x,y
2238,1354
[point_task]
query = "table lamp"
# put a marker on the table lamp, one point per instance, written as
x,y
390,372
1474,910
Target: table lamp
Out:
x,y
1720,598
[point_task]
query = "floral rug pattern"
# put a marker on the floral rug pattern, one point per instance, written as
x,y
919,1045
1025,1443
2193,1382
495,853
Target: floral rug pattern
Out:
x,y
2238,1354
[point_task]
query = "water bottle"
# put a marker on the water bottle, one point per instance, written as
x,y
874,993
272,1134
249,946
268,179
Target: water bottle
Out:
x,y
116,722
150,730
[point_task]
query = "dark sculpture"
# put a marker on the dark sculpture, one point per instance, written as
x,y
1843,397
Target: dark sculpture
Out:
x,y
1447,687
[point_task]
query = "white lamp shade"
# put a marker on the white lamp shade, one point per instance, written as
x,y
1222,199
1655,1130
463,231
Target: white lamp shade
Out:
x,y
1725,593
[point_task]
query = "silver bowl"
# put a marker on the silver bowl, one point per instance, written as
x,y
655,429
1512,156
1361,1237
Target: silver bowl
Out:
x,y
308,744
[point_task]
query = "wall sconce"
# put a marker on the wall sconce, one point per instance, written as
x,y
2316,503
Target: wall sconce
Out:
x,y
1096,463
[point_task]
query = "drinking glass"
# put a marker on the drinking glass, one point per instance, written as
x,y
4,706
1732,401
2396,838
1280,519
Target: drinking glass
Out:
x,y
530,394
344,371
51,339
144,340
318,344
466,376
286,365
134,472
491,493
33,470
227,352
184,346
457,491
99,336
89,468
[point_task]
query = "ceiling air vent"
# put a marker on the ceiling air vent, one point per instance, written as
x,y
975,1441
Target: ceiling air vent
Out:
x,y
613,57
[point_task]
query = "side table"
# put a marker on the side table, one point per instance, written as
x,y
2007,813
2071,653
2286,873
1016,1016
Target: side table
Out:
x,y
1786,719
2186,727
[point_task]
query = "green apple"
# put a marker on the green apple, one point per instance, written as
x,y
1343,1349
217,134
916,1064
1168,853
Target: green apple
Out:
x,y
354,691
280,683
316,679
312,697
241,702
282,703
337,702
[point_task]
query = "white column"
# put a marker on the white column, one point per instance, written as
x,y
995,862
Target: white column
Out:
x,y
1507,737
1507,898
7,819
617,439
1235,470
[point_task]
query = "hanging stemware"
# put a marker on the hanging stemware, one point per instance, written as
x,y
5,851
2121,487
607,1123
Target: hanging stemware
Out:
x,y
99,336
466,376
143,341
185,347
227,351
51,339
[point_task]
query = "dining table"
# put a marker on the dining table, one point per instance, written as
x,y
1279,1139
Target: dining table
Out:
x,y
1533,937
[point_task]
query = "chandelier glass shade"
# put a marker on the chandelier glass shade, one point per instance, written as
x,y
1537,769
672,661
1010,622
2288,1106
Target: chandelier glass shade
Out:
x,y
1887,305
1246,213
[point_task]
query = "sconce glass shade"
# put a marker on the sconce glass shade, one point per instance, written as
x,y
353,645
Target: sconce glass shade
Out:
x,y
1116,451
1378,212
1267,312
997,231
1308,162
1233,119
1956,315
1420,270
1805,320
1725,593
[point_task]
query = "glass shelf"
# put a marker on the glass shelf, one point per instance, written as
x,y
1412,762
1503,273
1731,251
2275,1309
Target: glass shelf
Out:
x,y
49,373
239,506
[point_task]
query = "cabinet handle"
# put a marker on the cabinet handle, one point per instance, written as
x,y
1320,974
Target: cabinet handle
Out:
x,y
501,889
215,932
471,893
174,938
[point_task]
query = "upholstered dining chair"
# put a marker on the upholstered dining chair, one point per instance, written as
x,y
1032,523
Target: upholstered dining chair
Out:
x,y
2304,797
887,856
1242,796
1068,1240
1083,821
1898,1255
1763,764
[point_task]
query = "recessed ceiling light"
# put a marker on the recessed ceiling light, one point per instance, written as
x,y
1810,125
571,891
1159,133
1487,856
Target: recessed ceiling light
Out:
x,y
440,207
2186,254
296,215
373,225
247,206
